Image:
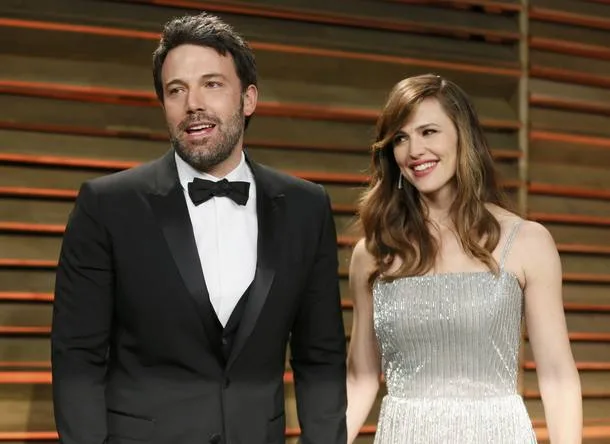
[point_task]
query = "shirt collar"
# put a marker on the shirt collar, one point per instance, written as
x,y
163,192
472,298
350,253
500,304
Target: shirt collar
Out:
x,y
186,173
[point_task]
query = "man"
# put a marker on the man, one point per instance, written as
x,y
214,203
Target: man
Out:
x,y
177,292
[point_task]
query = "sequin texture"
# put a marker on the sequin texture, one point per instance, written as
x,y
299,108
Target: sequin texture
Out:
x,y
449,345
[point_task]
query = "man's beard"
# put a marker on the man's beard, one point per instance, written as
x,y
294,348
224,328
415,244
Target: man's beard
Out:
x,y
208,153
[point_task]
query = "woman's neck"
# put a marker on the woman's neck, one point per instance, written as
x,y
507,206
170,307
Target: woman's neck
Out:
x,y
439,209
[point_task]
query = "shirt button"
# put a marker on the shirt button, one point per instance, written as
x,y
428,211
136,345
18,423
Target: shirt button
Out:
x,y
215,438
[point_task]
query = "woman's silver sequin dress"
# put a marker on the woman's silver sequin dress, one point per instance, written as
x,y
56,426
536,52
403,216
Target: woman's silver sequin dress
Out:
x,y
449,345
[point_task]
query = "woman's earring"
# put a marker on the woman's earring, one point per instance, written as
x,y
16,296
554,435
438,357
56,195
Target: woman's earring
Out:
x,y
400,181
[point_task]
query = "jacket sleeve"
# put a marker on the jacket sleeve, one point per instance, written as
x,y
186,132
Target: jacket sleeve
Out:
x,y
82,317
318,346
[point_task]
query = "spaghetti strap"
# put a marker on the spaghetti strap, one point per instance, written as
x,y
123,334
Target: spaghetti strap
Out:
x,y
509,242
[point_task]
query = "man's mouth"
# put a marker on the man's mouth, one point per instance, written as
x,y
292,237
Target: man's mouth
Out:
x,y
200,129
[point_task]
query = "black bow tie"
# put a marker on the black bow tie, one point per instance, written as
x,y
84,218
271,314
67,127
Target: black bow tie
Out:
x,y
202,190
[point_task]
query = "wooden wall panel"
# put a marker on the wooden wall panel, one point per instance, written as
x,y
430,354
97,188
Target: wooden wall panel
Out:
x,y
569,152
76,101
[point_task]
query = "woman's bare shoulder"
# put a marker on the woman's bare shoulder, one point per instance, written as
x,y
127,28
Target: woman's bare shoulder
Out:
x,y
531,234
362,259
505,218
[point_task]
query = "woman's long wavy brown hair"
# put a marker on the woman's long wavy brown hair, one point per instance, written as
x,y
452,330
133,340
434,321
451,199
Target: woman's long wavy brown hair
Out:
x,y
395,221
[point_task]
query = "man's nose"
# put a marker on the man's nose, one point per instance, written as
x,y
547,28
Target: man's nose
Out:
x,y
195,100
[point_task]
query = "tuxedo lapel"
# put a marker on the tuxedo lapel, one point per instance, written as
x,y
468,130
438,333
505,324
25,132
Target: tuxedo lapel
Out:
x,y
168,205
270,211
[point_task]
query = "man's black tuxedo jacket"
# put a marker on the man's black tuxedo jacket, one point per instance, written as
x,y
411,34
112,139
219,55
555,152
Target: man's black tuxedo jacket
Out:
x,y
134,354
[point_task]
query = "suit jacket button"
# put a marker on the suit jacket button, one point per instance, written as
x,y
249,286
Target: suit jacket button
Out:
x,y
227,383
215,438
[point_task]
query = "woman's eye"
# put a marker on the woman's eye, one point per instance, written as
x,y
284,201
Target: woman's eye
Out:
x,y
399,139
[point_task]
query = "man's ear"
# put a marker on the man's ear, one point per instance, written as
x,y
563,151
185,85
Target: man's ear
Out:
x,y
250,99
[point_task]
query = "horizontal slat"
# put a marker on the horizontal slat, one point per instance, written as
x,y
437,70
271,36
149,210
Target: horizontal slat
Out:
x,y
568,76
99,94
581,366
21,227
561,32
17,296
567,191
545,101
583,249
586,422
318,177
73,148
342,241
592,278
116,165
268,144
569,121
586,308
345,241
572,48
84,131
313,176
40,377
44,377
589,278
535,394
342,22
27,366
12,330
568,18
577,139
580,278
577,97
346,304
350,210
52,436
352,20
586,336
105,31
49,436
42,193
572,219
489,6
590,431
499,154
27,263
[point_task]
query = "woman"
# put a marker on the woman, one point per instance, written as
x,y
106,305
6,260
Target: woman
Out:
x,y
439,283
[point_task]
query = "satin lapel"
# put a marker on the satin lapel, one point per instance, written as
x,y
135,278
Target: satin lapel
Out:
x,y
269,207
170,209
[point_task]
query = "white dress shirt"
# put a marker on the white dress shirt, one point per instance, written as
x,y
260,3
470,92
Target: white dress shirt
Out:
x,y
226,235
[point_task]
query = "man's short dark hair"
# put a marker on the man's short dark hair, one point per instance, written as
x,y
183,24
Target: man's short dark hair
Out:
x,y
209,31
